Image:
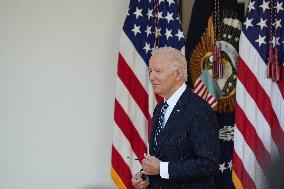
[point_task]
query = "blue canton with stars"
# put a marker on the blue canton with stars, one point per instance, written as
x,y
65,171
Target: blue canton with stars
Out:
x,y
256,27
139,26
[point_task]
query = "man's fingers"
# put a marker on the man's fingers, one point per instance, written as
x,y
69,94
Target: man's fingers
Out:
x,y
136,179
148,159
148,156
136,182
145,165
139,183
142,184
145,155
148,162
138,175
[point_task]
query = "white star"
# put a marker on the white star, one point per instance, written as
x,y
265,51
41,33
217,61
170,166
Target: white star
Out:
x,y
160,1
138,13
236,39
260,40
147,47
136,29
264,6
251,6
277,23
150,14
148,30
169,17
248,23
222,167
160,15
171,2
179,34
279,6
275,41
128,12
168,33
230,165
262,23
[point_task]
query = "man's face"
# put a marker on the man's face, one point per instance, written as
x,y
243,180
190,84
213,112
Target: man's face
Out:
x,y
162,78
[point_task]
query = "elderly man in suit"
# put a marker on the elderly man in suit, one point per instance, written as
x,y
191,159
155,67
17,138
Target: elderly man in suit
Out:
x,y
183,146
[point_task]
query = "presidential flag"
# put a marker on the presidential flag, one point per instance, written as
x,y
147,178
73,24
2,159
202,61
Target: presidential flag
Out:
x,y
149,24
212,51
259,130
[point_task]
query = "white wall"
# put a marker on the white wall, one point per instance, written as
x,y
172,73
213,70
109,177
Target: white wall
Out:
x,y
57,81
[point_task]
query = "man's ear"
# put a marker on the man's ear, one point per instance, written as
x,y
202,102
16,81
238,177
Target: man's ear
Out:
x,y
178,74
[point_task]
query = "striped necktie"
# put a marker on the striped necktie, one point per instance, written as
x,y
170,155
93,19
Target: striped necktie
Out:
x,y
160,123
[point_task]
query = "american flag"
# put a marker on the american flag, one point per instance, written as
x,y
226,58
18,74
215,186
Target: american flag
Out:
x,y
135,101
200,88
259,131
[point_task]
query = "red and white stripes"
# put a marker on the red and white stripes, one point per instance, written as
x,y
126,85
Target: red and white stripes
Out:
x,y
200,89
259,130
132,114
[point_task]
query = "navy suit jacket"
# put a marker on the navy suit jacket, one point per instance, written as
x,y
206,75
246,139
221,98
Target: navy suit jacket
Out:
x,y
189,142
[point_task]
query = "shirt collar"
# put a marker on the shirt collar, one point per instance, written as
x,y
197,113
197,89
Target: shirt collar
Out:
x,y
174,98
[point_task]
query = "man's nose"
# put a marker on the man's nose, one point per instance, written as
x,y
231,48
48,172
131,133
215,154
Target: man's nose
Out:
x,y
151,76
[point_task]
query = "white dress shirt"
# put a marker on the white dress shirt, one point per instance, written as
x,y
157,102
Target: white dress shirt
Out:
x,y
172,101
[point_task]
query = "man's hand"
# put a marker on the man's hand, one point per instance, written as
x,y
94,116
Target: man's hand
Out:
x,y
138,182
151,165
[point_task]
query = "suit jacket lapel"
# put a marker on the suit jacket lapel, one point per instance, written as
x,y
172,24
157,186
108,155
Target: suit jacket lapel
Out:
x,y
175,115
154,127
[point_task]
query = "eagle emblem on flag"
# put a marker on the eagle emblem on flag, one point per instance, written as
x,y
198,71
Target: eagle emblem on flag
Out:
x,y
219,92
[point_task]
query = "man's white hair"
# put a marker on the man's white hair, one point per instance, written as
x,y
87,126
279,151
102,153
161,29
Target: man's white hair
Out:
x,y
178,59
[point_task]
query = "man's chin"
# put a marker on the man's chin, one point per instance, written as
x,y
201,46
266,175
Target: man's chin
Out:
x,y
157,92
